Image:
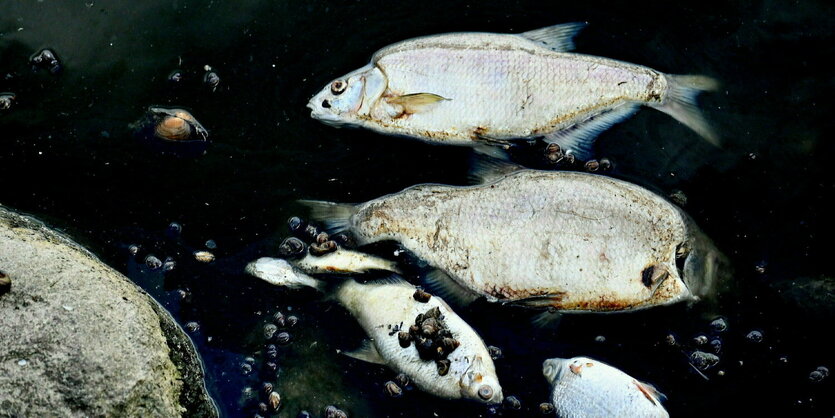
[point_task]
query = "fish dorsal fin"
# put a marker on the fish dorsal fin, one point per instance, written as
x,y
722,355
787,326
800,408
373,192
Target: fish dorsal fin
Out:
x,y
393,279
578,139
486,169
416,102
440,284
558,38
366,352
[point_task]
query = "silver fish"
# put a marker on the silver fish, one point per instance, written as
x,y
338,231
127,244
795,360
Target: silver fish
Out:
x,y
482,89
570,241
343,261
583,387
383,309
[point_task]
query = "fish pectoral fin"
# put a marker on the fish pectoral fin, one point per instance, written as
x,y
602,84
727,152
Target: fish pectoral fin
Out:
x,y
440,284
540,301
578,139
366,352
486,169
547,319
558,38
650,392
416,102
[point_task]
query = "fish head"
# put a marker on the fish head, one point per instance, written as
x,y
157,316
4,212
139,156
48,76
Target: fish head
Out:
x,y
350,98
701,265
480,385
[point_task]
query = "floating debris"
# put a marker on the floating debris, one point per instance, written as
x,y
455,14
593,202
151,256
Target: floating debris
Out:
x,y
283,338
678,197
211,244
275,400
495,352
46,59
333,412
393,390
6,101
211,80
176,76
22,362
204,256
402,380
754,336
512,403
719,325
269,331
169,265
5,283
279,319
421,295
152,262
703,361
292,247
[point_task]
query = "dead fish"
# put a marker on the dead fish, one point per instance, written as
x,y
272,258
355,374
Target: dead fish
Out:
x,y
343,261
380,308
583,387
563,240
482,89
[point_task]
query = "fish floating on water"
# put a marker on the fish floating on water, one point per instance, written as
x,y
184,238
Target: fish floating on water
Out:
x,y
385,310
483,89
583,387
543,239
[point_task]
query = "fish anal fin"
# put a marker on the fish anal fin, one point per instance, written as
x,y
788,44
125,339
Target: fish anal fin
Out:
x,y
578,138
442,285
558,38
547,319
416,102
366,352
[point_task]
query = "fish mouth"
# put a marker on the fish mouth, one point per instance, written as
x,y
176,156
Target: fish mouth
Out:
x,y
323,116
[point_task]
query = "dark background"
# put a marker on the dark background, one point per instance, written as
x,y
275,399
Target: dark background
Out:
x,y
67,155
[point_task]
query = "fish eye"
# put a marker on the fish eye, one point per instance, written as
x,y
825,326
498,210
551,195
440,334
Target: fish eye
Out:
x,y
338,86
326,104
485,392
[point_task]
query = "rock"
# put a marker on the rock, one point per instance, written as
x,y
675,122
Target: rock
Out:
x,y
80,339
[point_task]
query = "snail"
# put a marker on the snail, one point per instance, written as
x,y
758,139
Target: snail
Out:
x,y
6,101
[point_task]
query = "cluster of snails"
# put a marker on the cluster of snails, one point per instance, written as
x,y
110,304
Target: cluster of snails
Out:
x,y
432,338
554,155
320,243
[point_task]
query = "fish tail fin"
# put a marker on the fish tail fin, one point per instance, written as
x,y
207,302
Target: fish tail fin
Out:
x,y
680,103
279,272
336,216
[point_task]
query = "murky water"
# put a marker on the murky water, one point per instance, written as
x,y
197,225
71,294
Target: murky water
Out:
x,y
67,156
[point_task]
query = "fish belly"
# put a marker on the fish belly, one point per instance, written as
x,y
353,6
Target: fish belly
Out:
x,y
381,308
508,93
580,239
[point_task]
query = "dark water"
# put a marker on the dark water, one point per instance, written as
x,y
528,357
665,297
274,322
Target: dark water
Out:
x,y
67,156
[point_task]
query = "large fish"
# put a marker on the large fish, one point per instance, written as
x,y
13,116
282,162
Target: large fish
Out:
x,y
570,241
583,387
385,309
483,89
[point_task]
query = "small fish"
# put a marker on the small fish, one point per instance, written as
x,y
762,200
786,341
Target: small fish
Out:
x,y
487,89
382,308
543,239
583,387
343,261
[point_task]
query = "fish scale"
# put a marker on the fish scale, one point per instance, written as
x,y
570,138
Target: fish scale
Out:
x,y
572,241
